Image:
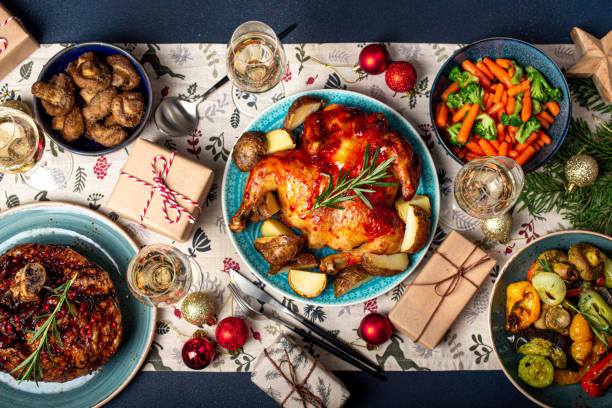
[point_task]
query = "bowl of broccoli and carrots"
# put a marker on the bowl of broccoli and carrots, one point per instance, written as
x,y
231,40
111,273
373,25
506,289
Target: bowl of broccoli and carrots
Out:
x,y
500,97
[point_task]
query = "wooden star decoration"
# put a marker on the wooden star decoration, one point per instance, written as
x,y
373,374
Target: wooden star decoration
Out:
x,y
596,61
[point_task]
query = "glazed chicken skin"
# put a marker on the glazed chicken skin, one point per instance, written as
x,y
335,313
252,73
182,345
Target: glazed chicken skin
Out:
x,y
332,140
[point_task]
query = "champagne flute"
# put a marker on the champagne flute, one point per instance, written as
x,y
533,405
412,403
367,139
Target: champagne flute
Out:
x,y
255,65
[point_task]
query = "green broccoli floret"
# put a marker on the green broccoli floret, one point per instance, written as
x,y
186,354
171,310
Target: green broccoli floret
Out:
x,y
473,93
453,131
540,89
515,118
462,77
526,129
455,101
536,107
518,73
485,127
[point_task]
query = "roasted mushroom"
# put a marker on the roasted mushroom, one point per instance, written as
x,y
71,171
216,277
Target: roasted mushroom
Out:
x,y
125,76
88,94
100,105
88,72
300,109
108,136
280,249
57,97
587,259
71,126
128,109
303,260
249,150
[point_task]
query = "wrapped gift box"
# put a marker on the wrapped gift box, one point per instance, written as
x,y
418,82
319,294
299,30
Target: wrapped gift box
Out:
x,y
186,177
19,43
439,293
312,385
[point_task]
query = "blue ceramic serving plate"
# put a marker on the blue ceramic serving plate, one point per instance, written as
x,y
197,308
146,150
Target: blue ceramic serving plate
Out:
x,y
233,188
516,270
525,55
58,64
102,241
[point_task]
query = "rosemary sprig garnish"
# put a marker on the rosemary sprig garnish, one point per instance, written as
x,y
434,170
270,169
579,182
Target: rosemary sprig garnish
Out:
x,y
369,177
545,265
31,365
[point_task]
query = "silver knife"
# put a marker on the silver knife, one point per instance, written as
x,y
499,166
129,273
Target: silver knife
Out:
x,y
249,288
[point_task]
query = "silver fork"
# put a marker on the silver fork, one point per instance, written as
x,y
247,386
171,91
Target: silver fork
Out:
x,y
246,306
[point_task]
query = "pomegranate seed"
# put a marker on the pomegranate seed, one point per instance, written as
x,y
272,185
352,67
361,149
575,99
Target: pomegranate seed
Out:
x,y
114,324
88,326
46,308
16,318
93,320
69,333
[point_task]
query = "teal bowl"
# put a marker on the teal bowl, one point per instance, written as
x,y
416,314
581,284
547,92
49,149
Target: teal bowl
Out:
x,y
100,240
516,270
233,189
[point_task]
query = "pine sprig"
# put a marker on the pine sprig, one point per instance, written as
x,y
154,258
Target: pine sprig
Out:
x,y
584,92
369,177
30,367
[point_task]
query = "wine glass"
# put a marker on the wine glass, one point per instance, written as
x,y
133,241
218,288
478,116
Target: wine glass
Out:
x,y
255,65
23,150
161,275
484,188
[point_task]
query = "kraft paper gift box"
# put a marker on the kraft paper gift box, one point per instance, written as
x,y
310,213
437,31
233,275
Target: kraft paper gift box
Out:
x,y
311,385
19,43
430,305
186,177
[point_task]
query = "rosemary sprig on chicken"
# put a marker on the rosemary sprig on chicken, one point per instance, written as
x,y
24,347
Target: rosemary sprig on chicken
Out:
x,y
369,177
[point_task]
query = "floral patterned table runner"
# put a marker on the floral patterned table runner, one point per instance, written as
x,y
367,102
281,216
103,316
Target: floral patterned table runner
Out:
x,y
187,70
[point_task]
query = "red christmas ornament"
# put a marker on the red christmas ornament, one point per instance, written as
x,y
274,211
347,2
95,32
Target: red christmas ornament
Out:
x,y
197,353
232,332
375,328
400,76
374,59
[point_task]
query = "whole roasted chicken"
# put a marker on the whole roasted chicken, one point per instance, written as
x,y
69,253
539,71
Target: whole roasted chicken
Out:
x,y
335,140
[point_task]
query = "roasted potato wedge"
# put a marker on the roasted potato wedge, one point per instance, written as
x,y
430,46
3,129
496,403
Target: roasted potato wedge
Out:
x,y
249,150
279,140
303,260
280,249
273,227
300,109
419,200
349,279
307,284
385,265
266,208
417,230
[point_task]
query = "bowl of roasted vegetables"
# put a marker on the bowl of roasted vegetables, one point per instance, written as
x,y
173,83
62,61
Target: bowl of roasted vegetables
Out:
x,y
551,319
500,97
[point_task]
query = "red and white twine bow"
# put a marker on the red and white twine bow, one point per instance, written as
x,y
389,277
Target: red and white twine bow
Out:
x,y
3,41
168,195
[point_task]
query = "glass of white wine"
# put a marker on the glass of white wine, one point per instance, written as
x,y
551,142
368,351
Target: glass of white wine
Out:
x,y
23,150
485,187
160,275
256,65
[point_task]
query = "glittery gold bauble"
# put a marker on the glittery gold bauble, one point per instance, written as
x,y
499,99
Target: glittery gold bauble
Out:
x,y
581,170
498,228
198,308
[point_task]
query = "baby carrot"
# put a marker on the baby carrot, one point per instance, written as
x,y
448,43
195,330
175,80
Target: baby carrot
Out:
x,y
495,108
535,146
525,155
510,105
487,100
442,115
500,131
499,72
499,88
471,156
503,62
495,143
504,99
526,110
547,116
473,147
545,138
499,115
511,71
513,153
517,89
503,149
543,122
522,146
553,107
487,147
471,68
508,138
458,117
481,66
454,87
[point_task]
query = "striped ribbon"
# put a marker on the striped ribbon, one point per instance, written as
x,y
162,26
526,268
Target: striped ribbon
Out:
x,y
3,41
168,195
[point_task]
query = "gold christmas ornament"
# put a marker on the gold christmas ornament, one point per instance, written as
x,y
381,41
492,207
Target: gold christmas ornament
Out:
x,y
498,228
580,170
198,308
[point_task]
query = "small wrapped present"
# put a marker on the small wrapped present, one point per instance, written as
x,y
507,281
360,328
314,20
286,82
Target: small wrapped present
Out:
x,y
161,190
15,42
294,378
439,293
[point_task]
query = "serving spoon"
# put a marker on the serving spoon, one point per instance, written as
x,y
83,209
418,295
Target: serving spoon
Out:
x,y
176,116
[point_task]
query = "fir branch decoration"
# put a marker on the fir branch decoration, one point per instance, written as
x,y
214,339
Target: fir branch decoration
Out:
x,y
584,92
30,367
369,177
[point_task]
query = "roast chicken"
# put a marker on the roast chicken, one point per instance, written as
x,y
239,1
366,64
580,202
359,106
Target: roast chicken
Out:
x,y
335,140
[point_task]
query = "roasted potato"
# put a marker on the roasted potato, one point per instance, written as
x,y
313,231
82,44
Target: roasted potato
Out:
x,y
278,140
280,249
419,200
303,260
417,230
349,279
273,227
300,109
307,284
587,259
385,265
266,208
249,150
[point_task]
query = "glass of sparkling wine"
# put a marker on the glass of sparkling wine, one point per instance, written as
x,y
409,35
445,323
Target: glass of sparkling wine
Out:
x,y
161,275
255,64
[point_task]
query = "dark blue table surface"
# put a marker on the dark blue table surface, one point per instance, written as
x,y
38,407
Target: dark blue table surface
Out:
x,y
319,21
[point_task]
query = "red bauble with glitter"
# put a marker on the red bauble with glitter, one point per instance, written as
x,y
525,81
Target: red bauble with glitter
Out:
x,y
375,328
400,76
232,332
374,59
197,353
